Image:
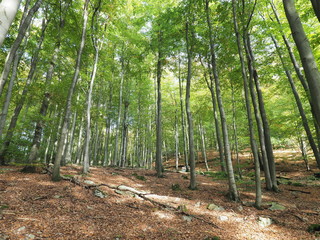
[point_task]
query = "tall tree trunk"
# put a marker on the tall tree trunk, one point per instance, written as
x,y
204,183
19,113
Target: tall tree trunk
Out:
x,y
8,11
299,73
252,71
124,141
159,165
316,8
189,45
116,144
210,85
22,31
233,192
308,61
85,169
185,151
176,137
235,131
299,105
203,145
248,108
64,130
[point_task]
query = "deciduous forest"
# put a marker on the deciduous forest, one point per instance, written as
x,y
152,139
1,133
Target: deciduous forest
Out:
x,y
176,119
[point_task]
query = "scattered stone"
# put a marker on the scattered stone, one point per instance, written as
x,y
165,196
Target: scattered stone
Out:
x,y
124,193
240,208
130,189
100,194
277,206
198,204
89,182
29,237
264,222
187,218
20,230
215,207
4,237
57,196
223,218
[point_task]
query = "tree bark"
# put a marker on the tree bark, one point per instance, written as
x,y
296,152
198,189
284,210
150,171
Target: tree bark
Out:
x,y
307,58
248,108
316,8
64,128
189,46
159,165
185,151
8,11
233,192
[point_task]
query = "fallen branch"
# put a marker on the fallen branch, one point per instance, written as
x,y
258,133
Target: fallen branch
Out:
x,y
295,190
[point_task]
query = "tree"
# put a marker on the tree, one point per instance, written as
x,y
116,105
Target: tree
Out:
x,y
64,128
8,11
306,55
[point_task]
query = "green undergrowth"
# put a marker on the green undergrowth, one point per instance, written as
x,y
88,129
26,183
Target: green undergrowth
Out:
x,y
139,177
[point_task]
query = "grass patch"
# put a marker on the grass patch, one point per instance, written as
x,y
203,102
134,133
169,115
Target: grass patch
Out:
x,y
176,187
216,175
2,207
139,177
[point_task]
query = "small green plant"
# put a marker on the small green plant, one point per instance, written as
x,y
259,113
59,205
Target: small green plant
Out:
x,y
216,175
176,187
313,228
185,177
68,176
139,177
4,207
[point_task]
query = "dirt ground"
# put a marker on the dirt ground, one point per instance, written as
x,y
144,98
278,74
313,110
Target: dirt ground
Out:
x,y
34,207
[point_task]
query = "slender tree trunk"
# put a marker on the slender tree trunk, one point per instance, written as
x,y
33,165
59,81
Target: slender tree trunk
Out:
x,y
189,45
210,85
159,165
316,8
8,11
252,71
233,192
79,143
116,148
85,169
299,74
203,144
235,131
185,151
22,31
299,105
308,61
124,141
248,108
303,150
176,136
64,130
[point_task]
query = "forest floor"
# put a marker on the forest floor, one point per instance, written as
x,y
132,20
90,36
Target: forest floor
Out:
x,y
114,203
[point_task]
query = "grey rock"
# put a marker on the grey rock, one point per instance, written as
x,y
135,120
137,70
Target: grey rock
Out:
x,y
20,230
277,206
89,182
198,204
124,193
215,207
223,218
100,194
264,221
187,218
4,237
29,237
